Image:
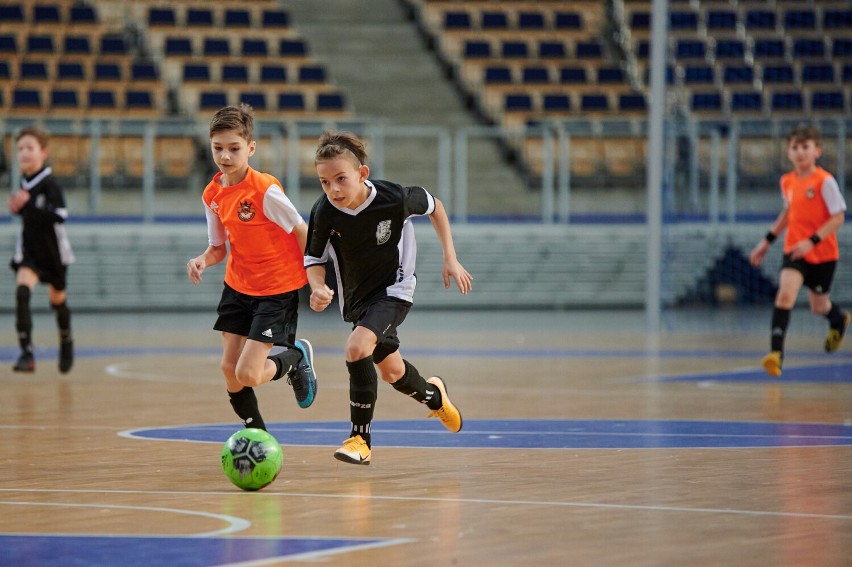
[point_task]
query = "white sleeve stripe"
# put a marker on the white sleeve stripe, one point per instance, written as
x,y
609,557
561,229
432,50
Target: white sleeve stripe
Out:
x,y
215,229
279,209
832,196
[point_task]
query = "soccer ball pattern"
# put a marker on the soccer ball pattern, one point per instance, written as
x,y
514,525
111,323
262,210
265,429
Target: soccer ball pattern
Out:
x,y
252,459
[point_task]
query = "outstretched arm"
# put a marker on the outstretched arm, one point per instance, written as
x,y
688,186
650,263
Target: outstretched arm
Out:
x,y
452,267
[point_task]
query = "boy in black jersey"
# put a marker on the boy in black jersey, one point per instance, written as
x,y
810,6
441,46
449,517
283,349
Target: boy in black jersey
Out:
x,y
42,252
363,227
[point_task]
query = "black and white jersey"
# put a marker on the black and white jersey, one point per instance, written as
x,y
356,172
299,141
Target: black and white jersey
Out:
x,y
372,247
42,242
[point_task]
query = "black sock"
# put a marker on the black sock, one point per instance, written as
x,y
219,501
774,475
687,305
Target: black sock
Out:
x,y
285,361
23,318
780,321
835,317
244,403
412,384
63,320
363,391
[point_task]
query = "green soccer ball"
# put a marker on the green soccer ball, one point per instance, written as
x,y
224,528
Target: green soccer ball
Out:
x,y
252,458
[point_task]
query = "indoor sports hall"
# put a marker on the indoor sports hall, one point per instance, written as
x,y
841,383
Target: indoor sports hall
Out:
x,y
607,166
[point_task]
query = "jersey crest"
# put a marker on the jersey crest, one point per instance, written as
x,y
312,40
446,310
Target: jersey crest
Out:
x,y
383,231
246,212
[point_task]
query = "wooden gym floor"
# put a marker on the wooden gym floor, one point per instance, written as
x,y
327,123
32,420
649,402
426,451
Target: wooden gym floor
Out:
x,y
586,442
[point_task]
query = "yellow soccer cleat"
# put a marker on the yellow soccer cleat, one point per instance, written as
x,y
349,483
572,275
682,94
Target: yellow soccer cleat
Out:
x,y
772,363
448,414
835,336
355,451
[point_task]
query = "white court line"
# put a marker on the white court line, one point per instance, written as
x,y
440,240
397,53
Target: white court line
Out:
x,y
550,503
236,524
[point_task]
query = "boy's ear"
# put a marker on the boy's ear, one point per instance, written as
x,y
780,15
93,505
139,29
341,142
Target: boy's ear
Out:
x,y
252,147
363,172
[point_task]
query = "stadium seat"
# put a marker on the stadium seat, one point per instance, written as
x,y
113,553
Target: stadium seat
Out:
x,y
178,47
40,43
254,47
721,20
769,49
311,74
139,100
27,98
514,49
827,101
535,74
806,47
102,99
257,100
457,21
493,20
698,74
760,20
640,21
610,75
517,102
846,73
46,14
113,45
497,75
681,21
8,44
291,102
746,101
212,100
65,99
144,71
643,50
706,102
818,74
196,72
70,71
216,47
108,72
553,103
81,14
729,49
573,76
161,16
273,74
32,71
594,103
76,45
588,50
199,17
799,20
12,14
690,49
237,18
568,21
528,20
552,50
778,74
787,101
235,73
632,102
5,71
475,49
330,102
738,74
841,48
292,48
837,18
273,18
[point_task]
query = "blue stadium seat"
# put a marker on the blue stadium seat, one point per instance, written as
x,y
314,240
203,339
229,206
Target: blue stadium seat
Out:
x,y
594,103
76,45
778,74
254,48
846,73
572,75
26,98
273,74
457,21
738,74
496,75
588,50
698,74
5,71
827,101
273,18
237,18
818,73
107,72
476,49
721,20
32,70
837,19
610,75
552,50
40,43
196,72
841,48
330,102
311,74
46,14
568,21
769,49
514,49
102,99
640,20
216,47
787,101
556,103
535,74
8,44
235,73
113,45
67,99
517,102
690,49
706,102
749,101
760,20
144,71
212,100
161,16
729,49
292,48
799,20
643,49
139,100
806,47
679,21
294,102
257,100
199,17
633,102
82,14
494,20
528,20
178,47
12,14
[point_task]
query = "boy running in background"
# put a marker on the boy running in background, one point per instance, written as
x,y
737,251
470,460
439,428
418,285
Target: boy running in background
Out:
x,y
814,210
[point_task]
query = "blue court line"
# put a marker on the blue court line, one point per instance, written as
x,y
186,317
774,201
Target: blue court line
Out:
x,y
535,434
819,374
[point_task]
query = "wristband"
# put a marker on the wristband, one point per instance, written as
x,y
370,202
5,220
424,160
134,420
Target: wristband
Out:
x,y
815,238
770,238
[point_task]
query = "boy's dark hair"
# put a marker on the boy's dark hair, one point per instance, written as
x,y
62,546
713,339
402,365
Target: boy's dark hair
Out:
x,y
332,143
239,118
803,133
37,133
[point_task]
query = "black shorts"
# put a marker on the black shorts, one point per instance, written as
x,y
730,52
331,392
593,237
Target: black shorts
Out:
x,y
818,277
55,276
267,319
383,316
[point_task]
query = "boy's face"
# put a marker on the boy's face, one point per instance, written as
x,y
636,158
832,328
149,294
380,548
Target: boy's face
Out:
x,y
803,153
342,181
31,156
231,151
